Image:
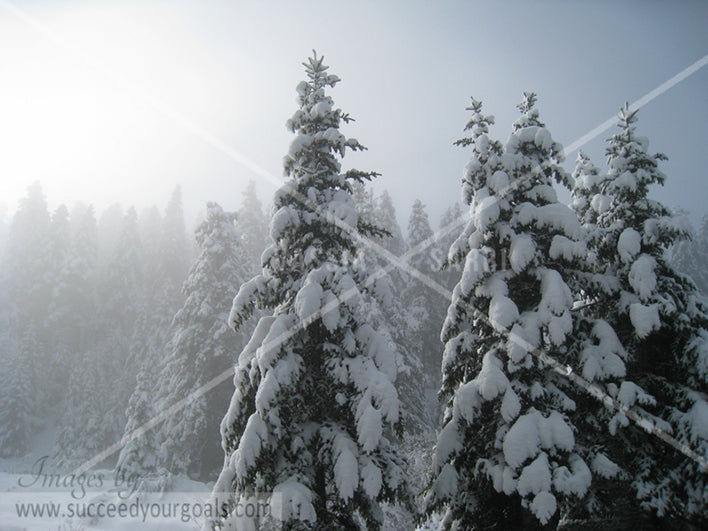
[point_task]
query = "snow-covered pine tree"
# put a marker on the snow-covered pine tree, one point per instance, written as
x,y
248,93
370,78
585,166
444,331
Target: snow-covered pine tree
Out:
x,y
138,458
122,280
423,314
385,217
252,227
86,426
28,258
507,455
150,228
202,347
314,386
26,268
175,251
19,395
73,302
661,322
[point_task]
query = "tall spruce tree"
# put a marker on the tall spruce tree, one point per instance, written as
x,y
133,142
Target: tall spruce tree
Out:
x,y
661,322
507,455
314,386
252,227
423,315
19,405
385,217
202,347
27,268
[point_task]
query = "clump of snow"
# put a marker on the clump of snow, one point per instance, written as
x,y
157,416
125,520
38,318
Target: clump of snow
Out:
x,y
600,203
449,443
467,401
630,393
291,500
699,420
602,465
543,138
555,216
563,247
330,311
283,218
502,312
605,359
346,467
626,181
642,277
249,447
491,380
645,319
629,244
555,433
308,301
544,506
369,427
574,481
555,293
524,337
521,252
371,479
476,265
533,431
511,405
486,212
321,108
522,440
269,350
499,181
446,483
535,477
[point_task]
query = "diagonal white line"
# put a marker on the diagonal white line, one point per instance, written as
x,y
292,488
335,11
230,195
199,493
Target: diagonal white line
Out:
x,y
638,104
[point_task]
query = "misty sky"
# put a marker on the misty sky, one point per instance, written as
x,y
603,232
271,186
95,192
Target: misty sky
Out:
x,y
119,100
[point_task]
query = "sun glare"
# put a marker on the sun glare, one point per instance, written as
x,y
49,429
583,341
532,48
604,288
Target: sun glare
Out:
x,y
71,111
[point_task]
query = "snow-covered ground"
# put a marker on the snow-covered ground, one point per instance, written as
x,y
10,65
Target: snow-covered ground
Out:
x,y
26,504
35,495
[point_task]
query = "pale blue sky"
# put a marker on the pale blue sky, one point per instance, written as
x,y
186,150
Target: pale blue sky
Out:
x,y
84,98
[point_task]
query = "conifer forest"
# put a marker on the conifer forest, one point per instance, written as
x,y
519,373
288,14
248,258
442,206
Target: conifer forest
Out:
x,y
527,353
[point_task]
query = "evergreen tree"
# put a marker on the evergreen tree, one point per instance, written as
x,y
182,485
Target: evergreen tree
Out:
x,y
175,252
314,389
202,347
661,323
28,257
18,398
385,217
85,427
73,302
122,280
398,321
422,307
139,456
252,226
150,228
507,455
28,280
